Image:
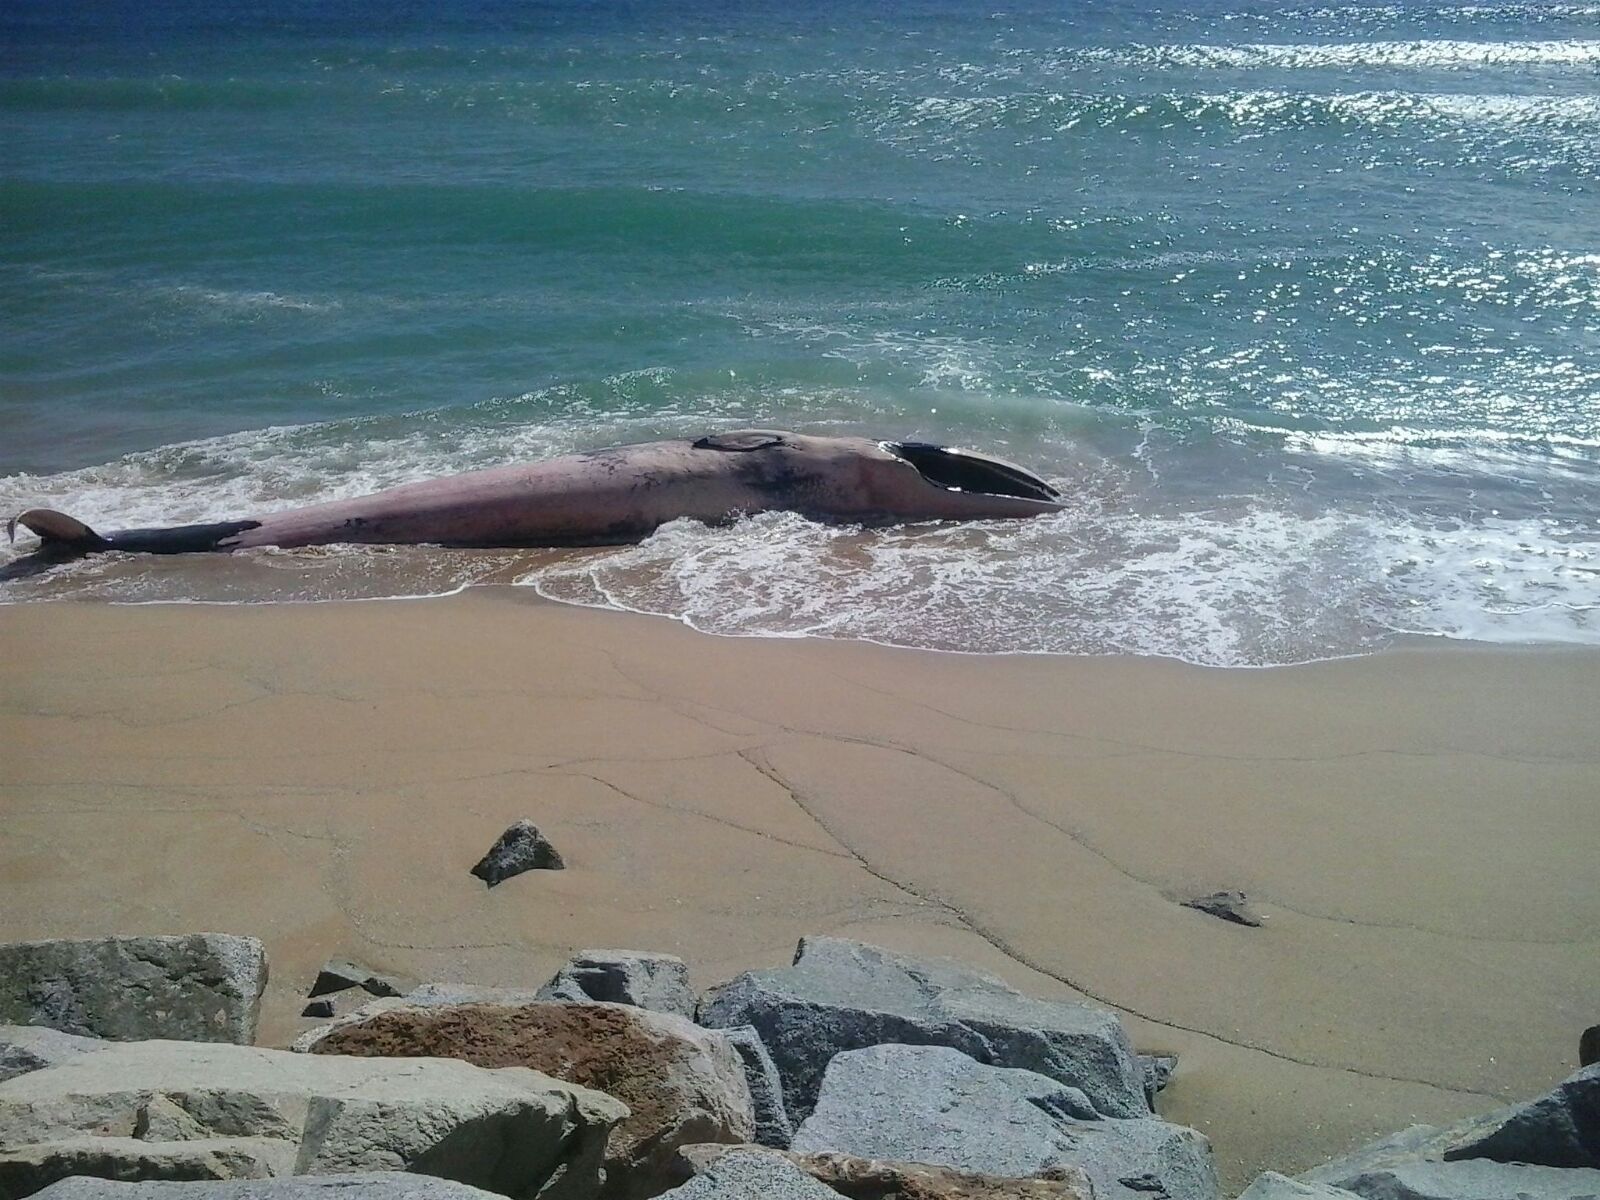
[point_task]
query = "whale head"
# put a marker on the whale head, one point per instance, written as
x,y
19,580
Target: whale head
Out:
x,y
919,479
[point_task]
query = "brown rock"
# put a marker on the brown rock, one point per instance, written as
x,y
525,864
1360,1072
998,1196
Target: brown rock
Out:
x,y
882,1179
1589,1046
682,1084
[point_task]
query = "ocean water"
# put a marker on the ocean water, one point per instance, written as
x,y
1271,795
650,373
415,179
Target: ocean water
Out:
x,y
1298,303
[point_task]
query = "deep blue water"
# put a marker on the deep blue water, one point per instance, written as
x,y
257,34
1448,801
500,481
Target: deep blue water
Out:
x,y
1299,303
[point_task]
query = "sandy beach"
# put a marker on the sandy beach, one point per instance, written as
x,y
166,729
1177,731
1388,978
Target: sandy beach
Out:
x,y
1417,827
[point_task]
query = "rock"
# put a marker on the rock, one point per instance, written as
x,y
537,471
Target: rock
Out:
x,y
25,1048
390,1185
1230,906
1559,1129
1158,1072
1476,1179
318,1009
202,987
1271,1186
882,1179
843,995
27,1168
1589,1046
655,981
773,1127
520,848
469,993
683,1084
752,1175
338,975
186,1110
932,1104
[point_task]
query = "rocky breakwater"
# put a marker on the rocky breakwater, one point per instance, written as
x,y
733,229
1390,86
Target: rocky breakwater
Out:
x,y
892,1077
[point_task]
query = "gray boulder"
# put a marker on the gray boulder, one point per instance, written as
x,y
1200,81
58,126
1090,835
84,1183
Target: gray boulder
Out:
x,y
198,987
1271,1186
185,1110
1474,1179
932,1104
888,1179
773,1127
371,1186
1158,1072
843,995
654,981
1559,1129
25,1048
752,1175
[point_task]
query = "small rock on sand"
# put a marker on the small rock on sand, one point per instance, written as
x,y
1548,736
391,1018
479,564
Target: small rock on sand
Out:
x,y
1230,906
340,974
520,848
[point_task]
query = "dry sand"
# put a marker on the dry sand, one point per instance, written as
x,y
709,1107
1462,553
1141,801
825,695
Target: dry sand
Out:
x,y
1419,828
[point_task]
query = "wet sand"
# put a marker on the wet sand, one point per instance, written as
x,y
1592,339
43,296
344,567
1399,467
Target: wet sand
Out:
x,y
1418,828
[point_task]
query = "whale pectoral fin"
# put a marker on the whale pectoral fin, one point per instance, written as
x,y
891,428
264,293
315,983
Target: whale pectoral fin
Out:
x,y
740,439
57,531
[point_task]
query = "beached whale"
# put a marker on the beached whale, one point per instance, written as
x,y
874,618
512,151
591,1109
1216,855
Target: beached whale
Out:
x,y
616,495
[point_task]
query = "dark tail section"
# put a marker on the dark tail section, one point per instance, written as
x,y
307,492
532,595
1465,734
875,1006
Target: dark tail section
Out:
x,y
176,539
62,538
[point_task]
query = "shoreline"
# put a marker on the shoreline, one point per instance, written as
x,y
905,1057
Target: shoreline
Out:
x,y
1416,825
1406,641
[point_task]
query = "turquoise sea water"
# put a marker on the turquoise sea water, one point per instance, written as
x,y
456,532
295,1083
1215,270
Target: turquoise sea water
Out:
x,y
1299,303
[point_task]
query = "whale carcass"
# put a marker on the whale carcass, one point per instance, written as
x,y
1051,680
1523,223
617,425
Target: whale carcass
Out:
x,y
616,495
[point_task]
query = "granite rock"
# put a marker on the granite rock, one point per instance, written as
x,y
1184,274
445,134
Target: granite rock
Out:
x,y
1158,1072
844,995
884,1179
200,987
1271,1186
189,1110
682,1084
25,1048
744,1174
1474,1179
655,981
933,1104
773,1127
1559,1129
390,1185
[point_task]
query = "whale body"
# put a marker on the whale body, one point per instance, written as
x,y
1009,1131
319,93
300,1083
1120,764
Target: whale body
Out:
x,y
615,495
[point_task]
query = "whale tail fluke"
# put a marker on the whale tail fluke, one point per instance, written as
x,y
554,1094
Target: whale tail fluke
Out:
x,y
62,535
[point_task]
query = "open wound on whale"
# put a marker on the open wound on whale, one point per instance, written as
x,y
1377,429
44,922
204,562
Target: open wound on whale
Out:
x,y
964,471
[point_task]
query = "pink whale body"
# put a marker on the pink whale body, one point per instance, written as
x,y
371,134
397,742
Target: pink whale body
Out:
x,y
615,495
